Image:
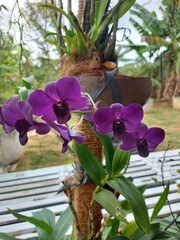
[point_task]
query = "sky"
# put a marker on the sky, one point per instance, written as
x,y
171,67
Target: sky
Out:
x,y
151,5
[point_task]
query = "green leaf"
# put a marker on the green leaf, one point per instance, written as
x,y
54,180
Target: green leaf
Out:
x,y
89,162
129,229
108,150
63,224
119,238
48,217
4,236
131,193
28,82
161,202
34,221
114,223
165,236
120,160
153,230
124,7
100,11
22,92
110,203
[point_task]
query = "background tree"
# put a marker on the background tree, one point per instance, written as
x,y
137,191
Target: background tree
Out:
x,y
163,38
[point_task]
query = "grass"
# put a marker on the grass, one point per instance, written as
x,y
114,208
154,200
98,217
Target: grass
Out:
x,y
43,151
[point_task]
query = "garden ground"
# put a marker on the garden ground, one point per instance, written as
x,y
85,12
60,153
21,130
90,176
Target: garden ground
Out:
x,y
43,151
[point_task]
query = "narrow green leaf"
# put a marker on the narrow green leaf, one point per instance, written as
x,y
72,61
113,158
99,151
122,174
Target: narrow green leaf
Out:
x,y
101,6
89,162
153,231
36,222
124,7
4,236
47,216
165,236
125,187
119,9
120,160
110,203
64,222
161,202
118,238
56,9
108,150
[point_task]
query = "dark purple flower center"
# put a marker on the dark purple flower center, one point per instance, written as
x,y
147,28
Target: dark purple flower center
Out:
x,y
142,147
62,112
119,129
22,126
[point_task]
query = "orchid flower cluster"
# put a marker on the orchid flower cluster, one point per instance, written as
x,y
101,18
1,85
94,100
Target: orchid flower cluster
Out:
x,y
52,108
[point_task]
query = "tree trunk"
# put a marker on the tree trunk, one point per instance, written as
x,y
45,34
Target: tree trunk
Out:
x,y
170,83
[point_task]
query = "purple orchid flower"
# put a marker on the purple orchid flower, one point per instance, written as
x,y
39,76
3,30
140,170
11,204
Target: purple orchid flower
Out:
x,y
117,119
58,100
143,139
17,115
67,135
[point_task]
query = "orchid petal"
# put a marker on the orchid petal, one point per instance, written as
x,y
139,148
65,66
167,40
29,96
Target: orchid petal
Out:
x,y
142,148
154,137
51,91
84,101
129,141
41,128
132,116
68,88
62,113
49,116
117,109
142,130
40,102
103,119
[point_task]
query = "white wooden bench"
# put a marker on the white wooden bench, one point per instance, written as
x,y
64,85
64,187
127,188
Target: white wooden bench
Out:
x,y
33,190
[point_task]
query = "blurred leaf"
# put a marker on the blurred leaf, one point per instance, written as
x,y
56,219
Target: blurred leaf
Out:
x,y
28,82
4,236
89,162
153,230
32,220
108,150
118,238
110,203
164,236
129,229
48,217
131,193
63,224
120,160
161,202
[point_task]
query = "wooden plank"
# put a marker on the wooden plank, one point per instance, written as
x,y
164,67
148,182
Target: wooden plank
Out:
x,y
140,174
38,172
27,199
172,198
32,204
31,185
157,190
29,192
27,180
